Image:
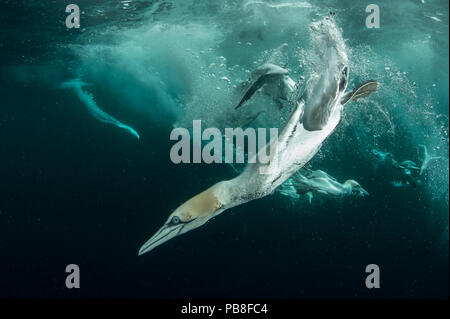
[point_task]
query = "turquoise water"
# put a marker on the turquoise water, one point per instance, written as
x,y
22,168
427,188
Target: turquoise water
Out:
x,y
86,176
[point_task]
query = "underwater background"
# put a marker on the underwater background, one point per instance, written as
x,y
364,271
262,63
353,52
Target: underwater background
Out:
x,y
74,190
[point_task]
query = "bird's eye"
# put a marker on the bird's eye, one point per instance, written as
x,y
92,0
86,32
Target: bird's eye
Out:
x,y
175,220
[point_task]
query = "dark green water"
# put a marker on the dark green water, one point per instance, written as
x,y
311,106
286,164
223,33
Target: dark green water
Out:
x,y
75,190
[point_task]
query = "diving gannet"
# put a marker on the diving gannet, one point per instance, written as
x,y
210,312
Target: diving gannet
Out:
x,y
296,144
407,169
274,81
320,182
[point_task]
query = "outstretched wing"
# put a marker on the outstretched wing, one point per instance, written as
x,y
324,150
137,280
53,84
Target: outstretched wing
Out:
x,y
362,90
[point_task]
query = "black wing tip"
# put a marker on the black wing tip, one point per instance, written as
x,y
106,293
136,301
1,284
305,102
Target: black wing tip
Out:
x,y
371,82
239,105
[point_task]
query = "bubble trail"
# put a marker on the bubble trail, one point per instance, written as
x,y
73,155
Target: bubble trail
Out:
x,y
93,108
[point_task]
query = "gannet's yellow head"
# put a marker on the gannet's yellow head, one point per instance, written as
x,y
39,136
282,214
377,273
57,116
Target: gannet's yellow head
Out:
x,y
356,188
190,215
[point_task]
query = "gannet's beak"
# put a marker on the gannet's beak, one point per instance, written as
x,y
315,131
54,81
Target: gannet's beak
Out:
x,y
162,235
363,192
357,188
172,228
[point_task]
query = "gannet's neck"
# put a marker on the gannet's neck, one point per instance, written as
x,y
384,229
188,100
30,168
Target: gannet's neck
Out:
x,y
227,194
204,203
